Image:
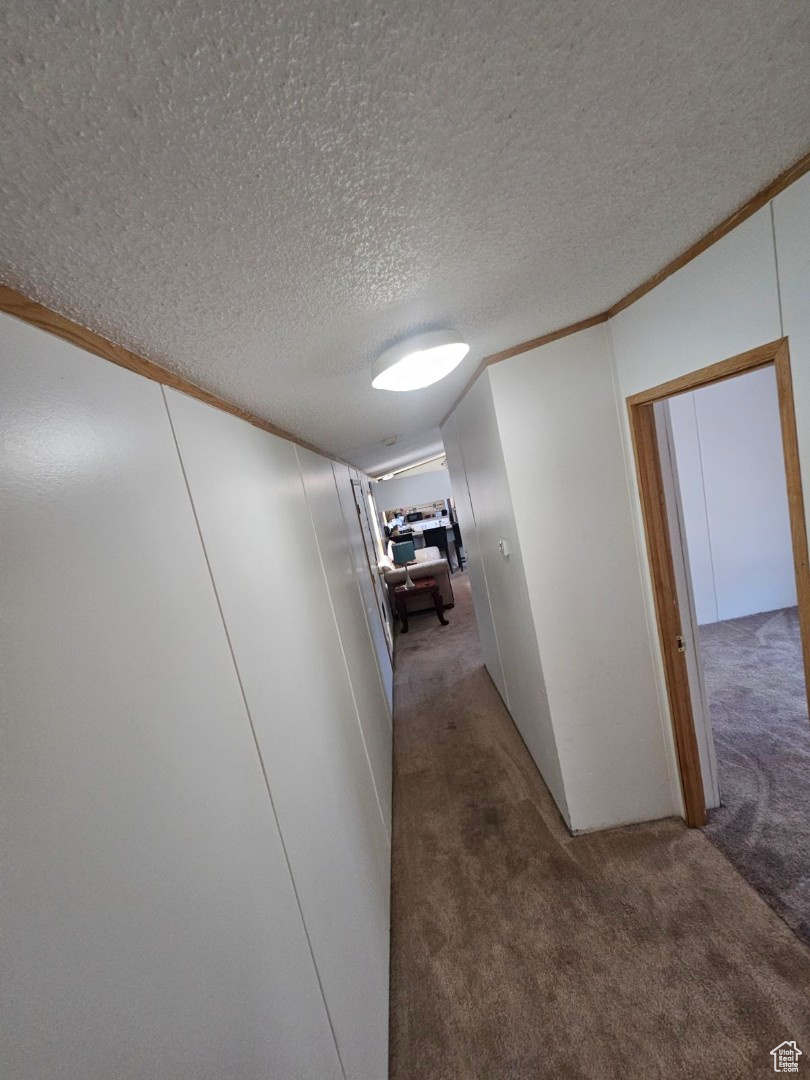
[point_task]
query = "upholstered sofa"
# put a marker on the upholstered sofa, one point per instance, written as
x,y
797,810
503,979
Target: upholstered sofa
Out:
x,y
429,563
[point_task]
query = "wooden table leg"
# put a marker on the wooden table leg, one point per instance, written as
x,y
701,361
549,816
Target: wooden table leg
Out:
x,y
402,611
439,605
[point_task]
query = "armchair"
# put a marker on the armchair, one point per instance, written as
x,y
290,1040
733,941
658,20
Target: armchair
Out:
x,y
429,563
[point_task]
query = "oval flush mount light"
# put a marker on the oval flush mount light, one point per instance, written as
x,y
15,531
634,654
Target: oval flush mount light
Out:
x,y
419,361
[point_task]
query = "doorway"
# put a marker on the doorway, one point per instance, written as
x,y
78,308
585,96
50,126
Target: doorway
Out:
x,y
372,545
673,586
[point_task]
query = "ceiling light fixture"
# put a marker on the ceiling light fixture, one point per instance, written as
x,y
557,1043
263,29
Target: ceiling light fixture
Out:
x,y
419,361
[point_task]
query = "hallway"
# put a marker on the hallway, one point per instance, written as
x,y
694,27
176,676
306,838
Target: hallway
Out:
x,y
521,952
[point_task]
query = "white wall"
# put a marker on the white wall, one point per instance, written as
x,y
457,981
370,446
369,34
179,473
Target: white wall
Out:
x,y
563,454
479,441
685,441
722,303
791,221
731,473
725,302
251,504
355,635
474,563
195,859
412,490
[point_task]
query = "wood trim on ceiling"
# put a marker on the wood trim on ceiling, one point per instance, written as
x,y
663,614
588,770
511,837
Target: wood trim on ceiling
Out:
x,y
526,346
748,209
741,214
14,303
546,339
21,307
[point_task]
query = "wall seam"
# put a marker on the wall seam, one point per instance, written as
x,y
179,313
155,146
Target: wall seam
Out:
x,y
252,728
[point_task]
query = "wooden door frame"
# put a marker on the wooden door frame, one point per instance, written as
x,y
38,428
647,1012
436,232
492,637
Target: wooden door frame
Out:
x,y
659,551
357,484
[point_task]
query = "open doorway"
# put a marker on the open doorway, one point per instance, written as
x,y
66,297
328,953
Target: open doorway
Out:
x,y
422,547
721,494
372,542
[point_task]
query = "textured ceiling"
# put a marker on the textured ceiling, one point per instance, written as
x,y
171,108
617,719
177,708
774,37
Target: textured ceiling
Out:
x,y
378,459
262,196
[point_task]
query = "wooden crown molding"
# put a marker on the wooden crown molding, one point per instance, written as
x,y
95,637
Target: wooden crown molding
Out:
x,y
525,346
14,303
747,210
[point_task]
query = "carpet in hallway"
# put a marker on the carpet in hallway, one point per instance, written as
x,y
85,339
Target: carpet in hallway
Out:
x,y
522,953
755,685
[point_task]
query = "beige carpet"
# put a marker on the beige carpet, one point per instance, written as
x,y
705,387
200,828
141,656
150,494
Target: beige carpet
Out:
x,y
520,952
758,701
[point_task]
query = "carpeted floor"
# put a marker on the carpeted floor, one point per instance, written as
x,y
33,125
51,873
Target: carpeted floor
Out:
x,y
755,685
521,953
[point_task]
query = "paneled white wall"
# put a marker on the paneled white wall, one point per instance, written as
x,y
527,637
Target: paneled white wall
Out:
x,y
166,910
488,485
150,922
562,450
558,453
791,221
722,303
474,564
686,442
355,635
250,501
731,473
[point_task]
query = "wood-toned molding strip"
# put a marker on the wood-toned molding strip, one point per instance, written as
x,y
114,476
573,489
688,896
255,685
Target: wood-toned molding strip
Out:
x,y
14,303
546,339
526,346
668,617
747,210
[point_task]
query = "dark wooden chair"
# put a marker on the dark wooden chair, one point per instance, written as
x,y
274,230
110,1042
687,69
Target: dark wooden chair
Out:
x,y
438,538
459,544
